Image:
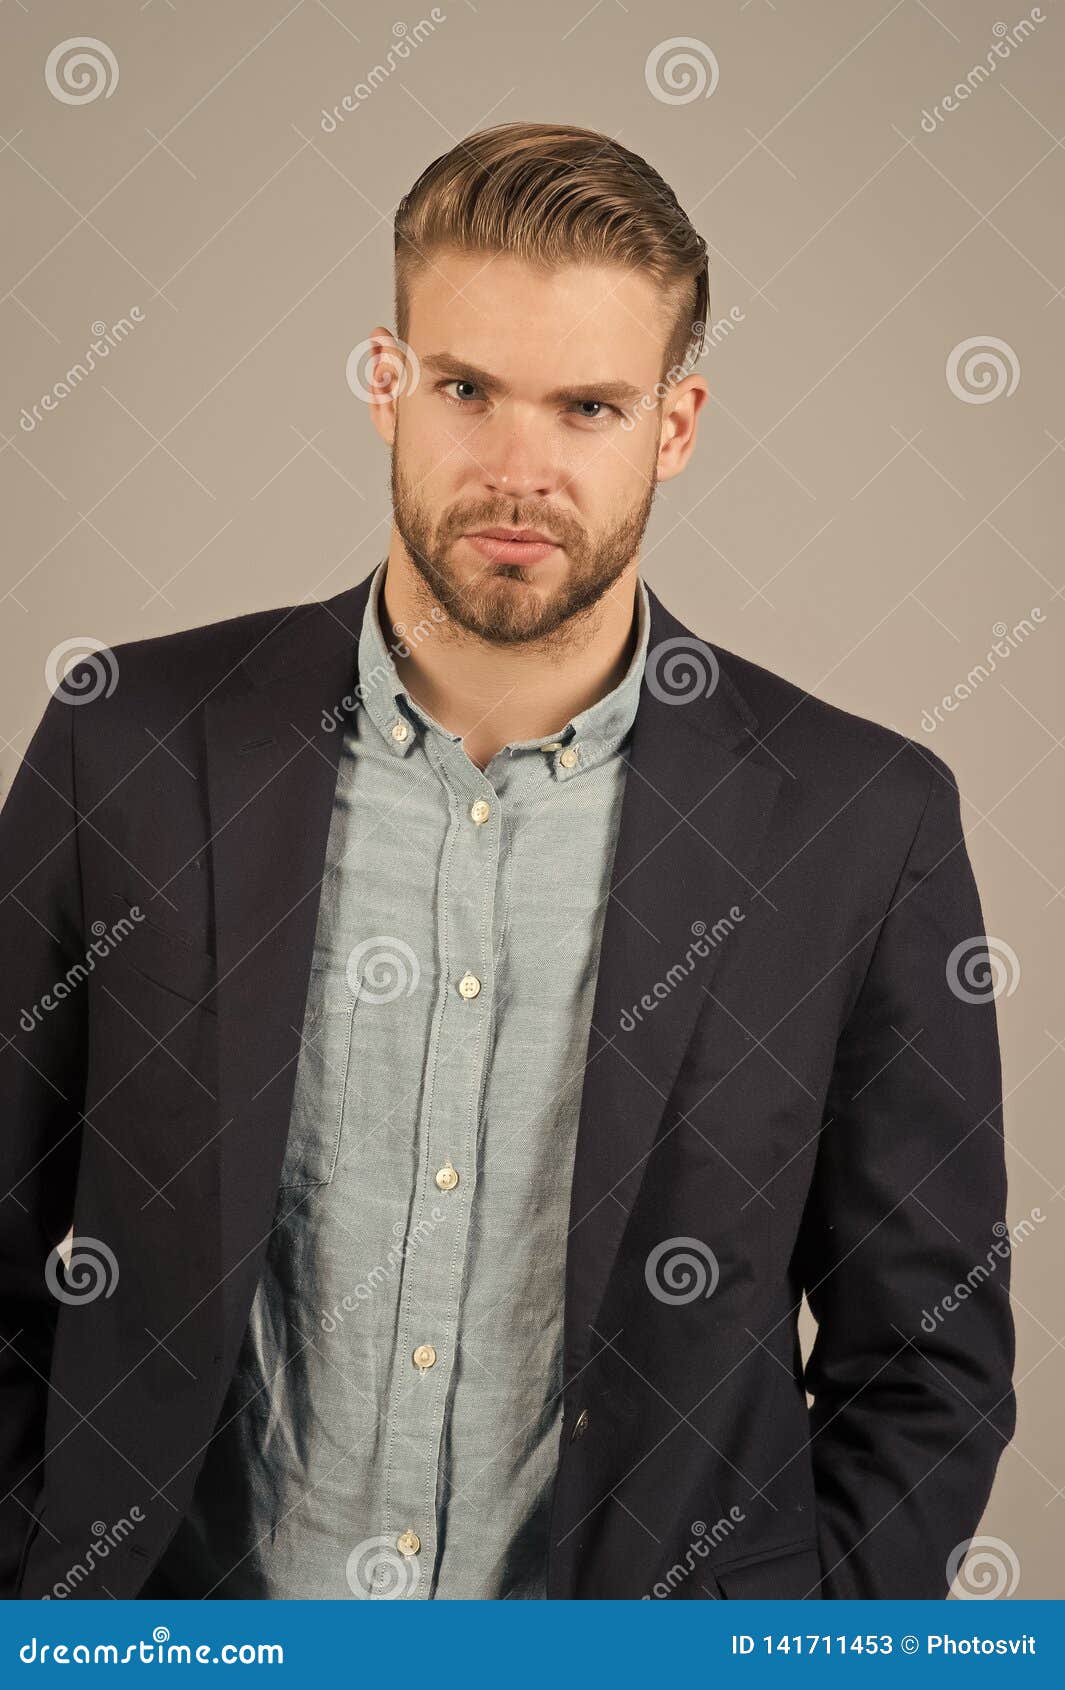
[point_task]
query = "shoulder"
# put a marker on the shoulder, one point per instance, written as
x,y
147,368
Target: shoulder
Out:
x,y
153,691
199,660
827,748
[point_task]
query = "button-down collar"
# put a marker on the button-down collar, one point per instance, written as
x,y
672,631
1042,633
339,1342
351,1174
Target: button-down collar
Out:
x,y
587,738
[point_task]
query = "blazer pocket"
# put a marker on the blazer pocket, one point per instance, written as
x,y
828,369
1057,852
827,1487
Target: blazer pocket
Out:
x,y
781,1574
169,959
316,1126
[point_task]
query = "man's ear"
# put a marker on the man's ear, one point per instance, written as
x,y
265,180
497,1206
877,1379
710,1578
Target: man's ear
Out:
x,y
680,412
381,375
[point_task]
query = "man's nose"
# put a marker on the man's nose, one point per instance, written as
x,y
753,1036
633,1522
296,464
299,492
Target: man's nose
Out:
x,y
516,462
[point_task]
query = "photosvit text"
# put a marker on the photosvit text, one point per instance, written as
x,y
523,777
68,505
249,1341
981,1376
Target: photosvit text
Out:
x,y
879,1643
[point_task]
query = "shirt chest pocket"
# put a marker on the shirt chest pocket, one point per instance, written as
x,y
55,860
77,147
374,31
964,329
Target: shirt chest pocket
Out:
x,y
316,1128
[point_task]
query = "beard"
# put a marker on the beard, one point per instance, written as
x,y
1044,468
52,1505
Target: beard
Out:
x,y
491,602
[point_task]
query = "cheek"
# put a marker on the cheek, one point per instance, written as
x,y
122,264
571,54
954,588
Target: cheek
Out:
x,y
608,479
431,426
639,445
430,456
451,451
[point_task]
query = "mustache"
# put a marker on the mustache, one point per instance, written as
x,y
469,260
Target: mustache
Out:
x,y
542,519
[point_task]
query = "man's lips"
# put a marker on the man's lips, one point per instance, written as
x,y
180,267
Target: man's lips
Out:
x,y
514,534
512,545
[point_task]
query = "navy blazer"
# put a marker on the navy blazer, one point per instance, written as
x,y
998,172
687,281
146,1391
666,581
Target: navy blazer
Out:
x,y
792,1088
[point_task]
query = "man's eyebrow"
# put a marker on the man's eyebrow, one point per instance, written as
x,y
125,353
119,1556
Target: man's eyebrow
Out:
x,y
448,365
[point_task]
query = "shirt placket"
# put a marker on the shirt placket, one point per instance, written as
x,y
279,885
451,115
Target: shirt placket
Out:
x,y
429,1335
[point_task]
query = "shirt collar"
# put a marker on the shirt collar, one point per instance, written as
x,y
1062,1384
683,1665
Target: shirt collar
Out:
x,y
587,738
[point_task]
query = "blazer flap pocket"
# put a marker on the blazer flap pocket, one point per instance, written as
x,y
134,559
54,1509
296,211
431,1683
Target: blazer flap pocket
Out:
x,y
786,1573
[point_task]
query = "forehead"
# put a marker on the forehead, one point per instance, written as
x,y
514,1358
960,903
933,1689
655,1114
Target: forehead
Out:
x,y
533,324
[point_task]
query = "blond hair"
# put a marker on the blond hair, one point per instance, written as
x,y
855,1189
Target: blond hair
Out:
x,y
554,194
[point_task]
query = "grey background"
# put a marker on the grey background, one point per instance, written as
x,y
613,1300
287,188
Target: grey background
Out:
x,y
850,518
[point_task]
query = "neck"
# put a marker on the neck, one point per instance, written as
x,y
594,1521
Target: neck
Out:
x,y
494,695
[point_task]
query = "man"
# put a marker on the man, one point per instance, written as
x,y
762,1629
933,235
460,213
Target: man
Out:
x,y
507,1007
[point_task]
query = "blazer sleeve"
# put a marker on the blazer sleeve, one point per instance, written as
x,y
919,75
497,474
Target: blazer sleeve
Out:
x,y
42,1062
903,1250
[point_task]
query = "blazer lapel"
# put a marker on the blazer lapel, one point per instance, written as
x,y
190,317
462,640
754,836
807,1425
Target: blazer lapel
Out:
x,y
273,755
696,806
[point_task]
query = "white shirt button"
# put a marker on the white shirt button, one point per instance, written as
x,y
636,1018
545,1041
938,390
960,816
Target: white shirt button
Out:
x,y
400,730
424,1356
568,757
469,985
408,1543
480,811
447,1177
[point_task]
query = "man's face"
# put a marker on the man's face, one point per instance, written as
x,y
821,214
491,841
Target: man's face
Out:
x,y
515,422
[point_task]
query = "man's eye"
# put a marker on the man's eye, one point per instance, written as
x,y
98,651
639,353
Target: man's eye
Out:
x,y
594,410
466,392
460,381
